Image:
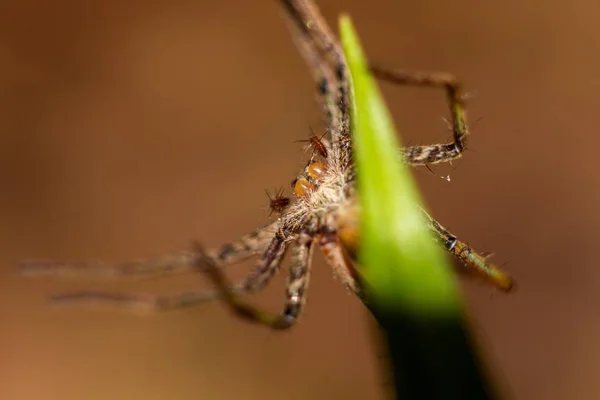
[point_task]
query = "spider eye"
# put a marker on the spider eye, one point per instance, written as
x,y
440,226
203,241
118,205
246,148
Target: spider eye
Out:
x,y
315,170
302,187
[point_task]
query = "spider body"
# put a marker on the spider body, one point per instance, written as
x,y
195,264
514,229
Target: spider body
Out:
x,y
325,211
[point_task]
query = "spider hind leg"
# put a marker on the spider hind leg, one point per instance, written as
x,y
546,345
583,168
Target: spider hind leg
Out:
x,y
296,286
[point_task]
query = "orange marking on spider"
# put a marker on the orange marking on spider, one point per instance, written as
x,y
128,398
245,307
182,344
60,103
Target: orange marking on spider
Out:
x,y
302,187
315,171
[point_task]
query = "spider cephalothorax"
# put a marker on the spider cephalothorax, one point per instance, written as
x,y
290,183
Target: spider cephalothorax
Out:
x,y
324,212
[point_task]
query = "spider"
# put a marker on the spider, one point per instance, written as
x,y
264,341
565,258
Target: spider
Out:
x,y
316,143
322,213
278,202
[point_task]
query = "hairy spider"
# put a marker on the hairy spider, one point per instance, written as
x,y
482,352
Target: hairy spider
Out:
x,y
324,211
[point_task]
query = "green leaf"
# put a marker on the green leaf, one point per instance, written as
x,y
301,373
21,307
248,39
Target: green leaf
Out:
x,y
403,265
408,281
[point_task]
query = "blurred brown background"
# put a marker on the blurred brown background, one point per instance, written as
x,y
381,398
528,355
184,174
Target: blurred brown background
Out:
x,y
128,129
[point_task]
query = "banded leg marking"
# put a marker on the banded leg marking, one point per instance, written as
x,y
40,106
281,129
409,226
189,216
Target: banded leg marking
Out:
x,y
295,290
437,153
470,258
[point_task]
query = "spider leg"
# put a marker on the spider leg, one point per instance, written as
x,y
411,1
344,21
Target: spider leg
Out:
x,y
296,286
266,267
318,38
341,263
229,253
177,263
139,303
323,76
348,232
470,258
437,153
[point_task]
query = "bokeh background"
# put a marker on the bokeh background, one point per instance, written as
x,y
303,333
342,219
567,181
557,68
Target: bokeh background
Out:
x,y
129,128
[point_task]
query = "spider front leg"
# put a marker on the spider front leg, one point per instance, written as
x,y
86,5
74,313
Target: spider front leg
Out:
x,y
437,153
295,290
324,55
